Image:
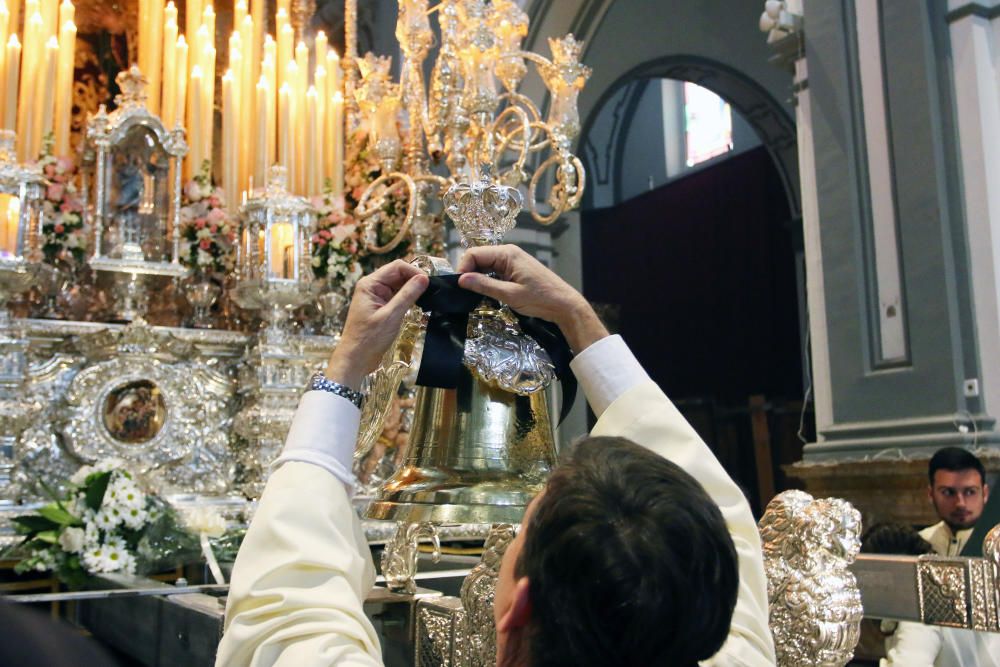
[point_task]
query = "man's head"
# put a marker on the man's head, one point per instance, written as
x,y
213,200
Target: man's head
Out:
x,y
958,487
623,559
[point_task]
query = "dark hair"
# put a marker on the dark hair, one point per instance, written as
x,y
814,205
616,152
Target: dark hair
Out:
x,y
629,562
955,459
894,538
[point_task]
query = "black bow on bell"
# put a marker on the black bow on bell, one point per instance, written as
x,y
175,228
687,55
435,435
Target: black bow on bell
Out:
x,y
444,347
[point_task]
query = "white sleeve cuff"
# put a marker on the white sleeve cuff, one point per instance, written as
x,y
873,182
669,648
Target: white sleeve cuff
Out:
x,y
606,370
324,432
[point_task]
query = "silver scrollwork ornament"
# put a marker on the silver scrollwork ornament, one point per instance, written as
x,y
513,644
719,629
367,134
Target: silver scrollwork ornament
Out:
x,y
814,599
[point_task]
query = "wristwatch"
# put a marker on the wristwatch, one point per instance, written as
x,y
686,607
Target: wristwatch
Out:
x,y
320,382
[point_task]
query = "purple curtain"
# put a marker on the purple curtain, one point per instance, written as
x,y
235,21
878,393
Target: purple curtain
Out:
x,y
702,274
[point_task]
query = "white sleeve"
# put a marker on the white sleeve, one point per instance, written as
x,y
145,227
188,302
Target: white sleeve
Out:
x,y
304,568
912,645
606,370
324,431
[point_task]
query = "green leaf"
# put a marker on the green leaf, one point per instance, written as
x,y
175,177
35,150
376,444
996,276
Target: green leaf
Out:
x,y
96,486
48,536
32,523
58,515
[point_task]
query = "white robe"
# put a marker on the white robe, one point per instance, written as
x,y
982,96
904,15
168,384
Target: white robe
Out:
x,y
303,570
919,645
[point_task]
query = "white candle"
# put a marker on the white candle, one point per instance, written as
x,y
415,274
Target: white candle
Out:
x,y
248,101
322,139
285,127
192,19
195,138
285,54
47,88
143,36
258,11
12,71
64,87
67,12
337,141
168,97
312,145
180,92
27,116
334,75
260,134
321,45
230,127
50,16
4,20
154,55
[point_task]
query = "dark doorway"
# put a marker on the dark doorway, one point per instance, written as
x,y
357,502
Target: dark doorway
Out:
x,y
701,276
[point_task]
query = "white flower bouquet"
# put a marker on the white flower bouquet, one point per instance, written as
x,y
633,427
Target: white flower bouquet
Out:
x,y
102,525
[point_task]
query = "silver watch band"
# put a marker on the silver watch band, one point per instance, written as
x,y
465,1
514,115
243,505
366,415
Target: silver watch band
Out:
x,y
320,382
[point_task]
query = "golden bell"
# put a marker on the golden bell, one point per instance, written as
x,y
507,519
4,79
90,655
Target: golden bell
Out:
x,y
477,454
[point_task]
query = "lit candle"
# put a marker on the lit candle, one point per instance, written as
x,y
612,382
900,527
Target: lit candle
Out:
x,y
47,88
31,56
154,55
333,73
208,20
230,123
12,71
180,92
282,259
242,99
143,36
192,19
263,123
296,104
50,16
285,46
195,140
14,7
258,11
168,98
321,45
302,63
67,12
337,141
285,126
10,208
64,87
312,145
208,102
4,20
239,11
322,143
248,101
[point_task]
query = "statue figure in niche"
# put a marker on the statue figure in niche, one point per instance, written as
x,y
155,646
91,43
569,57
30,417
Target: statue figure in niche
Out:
x,y
139,198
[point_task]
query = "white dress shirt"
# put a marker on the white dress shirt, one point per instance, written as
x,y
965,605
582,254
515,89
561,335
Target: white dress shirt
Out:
x,y
944,541
919,645
304,568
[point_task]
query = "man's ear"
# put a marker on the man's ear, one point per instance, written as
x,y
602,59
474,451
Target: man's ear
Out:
x,y
519,613
930,493
986,492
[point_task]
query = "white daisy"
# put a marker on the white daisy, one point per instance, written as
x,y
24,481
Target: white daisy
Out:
x,y
135,517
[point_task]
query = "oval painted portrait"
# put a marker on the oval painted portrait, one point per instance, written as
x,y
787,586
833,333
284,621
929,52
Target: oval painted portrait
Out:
x,y
135,412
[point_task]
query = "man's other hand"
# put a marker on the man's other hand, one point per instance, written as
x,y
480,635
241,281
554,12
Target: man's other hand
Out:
x,y
527,286
380,301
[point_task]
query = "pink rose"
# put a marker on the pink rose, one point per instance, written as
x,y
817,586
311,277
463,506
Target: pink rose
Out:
x,y
213,228
60,228
55,192
214,202
326,233
65,165
199,223
216,215
315,238
66,207
321,242
357,192
205,244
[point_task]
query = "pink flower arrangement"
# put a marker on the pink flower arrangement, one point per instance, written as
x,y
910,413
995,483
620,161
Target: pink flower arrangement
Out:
x,y
208,235
63,233
336,243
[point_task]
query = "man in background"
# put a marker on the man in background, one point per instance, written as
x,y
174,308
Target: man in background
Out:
x,y
958,491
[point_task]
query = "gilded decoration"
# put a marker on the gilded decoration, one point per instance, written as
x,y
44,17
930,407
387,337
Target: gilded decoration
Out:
x,y
815,603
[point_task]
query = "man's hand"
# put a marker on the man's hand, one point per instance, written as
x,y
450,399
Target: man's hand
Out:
x,y
527,286
377,308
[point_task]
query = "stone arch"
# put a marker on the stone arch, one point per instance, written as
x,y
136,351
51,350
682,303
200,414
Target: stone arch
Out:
x,y
773,125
